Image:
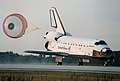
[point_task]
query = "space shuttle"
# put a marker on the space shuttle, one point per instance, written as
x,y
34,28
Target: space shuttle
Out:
x,y
62,44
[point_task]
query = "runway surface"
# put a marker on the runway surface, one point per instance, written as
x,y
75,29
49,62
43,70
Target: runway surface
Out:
x,y
95,69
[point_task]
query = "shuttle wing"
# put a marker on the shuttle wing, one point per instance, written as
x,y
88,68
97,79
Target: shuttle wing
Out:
x,y
52,53
47,53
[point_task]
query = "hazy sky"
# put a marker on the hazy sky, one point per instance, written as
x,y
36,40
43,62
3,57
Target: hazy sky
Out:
x,y
96,19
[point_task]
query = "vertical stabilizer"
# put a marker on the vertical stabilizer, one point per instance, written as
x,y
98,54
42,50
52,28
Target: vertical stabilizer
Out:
x,y
56,21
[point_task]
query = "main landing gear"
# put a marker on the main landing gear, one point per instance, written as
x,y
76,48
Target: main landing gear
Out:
x,y
59,63
58,60
80,62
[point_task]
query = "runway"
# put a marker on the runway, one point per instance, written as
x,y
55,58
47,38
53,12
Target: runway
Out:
x,y
93,69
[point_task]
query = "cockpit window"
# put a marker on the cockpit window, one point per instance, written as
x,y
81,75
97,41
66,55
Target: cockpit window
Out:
x,y
96,43
101,42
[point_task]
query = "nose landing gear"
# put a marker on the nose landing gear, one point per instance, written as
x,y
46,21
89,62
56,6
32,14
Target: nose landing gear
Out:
x,y
105,64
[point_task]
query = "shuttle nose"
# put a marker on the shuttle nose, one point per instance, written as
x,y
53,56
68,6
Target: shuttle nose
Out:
x,y
108,53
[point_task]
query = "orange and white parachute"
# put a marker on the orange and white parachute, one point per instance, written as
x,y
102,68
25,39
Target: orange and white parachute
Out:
x,y
15,25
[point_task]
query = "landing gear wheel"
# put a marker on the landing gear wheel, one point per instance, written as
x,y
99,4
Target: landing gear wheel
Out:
x,y
106,64
80,62
59,63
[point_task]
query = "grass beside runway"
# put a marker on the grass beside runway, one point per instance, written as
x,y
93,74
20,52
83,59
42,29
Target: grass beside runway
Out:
x,y
20,75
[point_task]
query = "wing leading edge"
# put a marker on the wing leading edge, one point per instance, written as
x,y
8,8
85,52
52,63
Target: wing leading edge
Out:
x,y
47,53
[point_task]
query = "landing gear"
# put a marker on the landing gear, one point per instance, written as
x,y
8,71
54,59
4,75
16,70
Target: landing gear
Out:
x,y
58,60
80,62
59,63
106,64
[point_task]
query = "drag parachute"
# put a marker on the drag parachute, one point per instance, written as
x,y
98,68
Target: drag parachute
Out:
x,y
14,25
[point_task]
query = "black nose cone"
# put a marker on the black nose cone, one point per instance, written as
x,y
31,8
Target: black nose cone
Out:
x,y
108,53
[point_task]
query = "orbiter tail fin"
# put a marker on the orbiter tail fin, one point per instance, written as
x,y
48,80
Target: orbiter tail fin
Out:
x,y
56,21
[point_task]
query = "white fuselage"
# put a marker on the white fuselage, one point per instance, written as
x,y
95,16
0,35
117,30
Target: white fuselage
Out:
x,y
75,46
